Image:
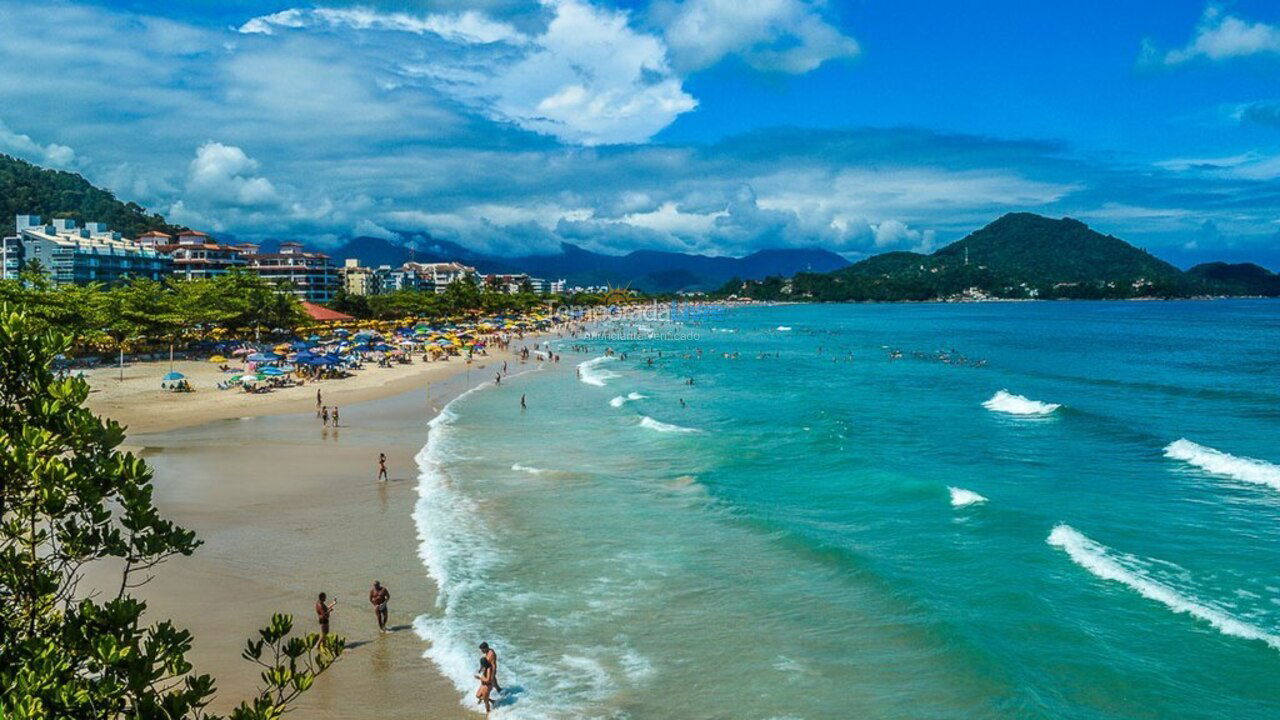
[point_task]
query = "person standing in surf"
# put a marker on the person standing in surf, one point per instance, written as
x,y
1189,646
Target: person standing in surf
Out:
x,y
490,656
382,467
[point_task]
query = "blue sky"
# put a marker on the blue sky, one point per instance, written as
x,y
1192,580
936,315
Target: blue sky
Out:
x,y
715,126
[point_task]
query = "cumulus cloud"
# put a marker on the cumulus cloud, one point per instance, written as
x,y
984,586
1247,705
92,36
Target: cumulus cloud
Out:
x,y
896,235
789,36
224,174
587,77
1218,36
22,146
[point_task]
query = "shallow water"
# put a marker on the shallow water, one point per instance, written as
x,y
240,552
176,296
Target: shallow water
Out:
x,y
835,533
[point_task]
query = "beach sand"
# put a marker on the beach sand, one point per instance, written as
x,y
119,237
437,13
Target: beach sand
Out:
x,y
138,402
286,509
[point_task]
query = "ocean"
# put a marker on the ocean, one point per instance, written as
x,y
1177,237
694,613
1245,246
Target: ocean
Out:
x,y
1017,510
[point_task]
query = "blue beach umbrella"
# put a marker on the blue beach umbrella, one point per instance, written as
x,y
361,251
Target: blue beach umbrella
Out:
x,y
174,376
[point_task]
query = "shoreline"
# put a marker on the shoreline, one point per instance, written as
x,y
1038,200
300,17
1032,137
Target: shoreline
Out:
x,y
294,509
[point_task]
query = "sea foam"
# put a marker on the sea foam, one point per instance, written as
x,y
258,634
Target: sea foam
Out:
x,y
1006,402
1107,564
527,469
457,550
659,426
591,372
621,400
1217,462
961,497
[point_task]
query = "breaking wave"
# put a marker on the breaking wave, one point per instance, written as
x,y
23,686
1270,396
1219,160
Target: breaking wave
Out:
x,y
1107,564
1006,402
1216,462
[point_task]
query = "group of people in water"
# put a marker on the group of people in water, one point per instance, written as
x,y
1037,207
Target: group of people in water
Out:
x,y
379,599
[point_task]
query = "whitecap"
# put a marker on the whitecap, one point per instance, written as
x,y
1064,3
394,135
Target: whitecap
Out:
x,y
591,373
1216,462
1006,402
648,422
527,469
784,328
1107,564
961,497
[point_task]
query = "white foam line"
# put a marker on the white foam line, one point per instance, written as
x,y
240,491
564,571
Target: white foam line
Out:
x,y
591,373
1258,472
1103,563
658,425
1006,402
961,497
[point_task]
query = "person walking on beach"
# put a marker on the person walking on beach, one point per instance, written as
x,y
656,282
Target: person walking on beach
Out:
x,y
324,415
487,654
323,610
497,378
335,416
382,467
378,597
319,404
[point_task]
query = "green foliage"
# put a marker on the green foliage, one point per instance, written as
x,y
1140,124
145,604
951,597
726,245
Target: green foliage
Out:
x,y
143,310
1019,256
68,499
28,189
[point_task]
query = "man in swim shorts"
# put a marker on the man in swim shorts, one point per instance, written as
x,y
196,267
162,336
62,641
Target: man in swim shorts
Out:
x,y
378,597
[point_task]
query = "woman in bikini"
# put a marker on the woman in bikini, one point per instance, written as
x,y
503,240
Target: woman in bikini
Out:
x,y
486,684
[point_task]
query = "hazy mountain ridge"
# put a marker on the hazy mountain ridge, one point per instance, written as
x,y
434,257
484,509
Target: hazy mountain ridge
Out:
x,y
650,270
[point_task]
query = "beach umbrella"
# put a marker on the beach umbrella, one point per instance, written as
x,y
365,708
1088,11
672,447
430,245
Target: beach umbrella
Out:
x,y
273,372
314,338
173,376
217,359
240,351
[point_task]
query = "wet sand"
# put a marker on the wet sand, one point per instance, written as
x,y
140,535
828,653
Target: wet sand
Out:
x,y
287,509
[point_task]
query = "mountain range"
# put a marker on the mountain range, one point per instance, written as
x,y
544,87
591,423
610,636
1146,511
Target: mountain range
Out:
x,y
1019,256
649,270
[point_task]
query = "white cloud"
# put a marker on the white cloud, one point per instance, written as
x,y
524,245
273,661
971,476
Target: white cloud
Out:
x,y
1219,36
369,228
22,146
465,27
896,235
778,35
223,174
1252,165
588,77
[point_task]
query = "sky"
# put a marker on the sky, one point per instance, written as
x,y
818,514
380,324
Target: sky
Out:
x,y
709,126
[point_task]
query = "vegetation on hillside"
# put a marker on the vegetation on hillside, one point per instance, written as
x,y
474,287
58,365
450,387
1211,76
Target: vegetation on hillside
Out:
x,y
27,189
1019,256
69,500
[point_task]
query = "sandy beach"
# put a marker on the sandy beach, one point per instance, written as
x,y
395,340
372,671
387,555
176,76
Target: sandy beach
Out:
x,y
138,402
287,508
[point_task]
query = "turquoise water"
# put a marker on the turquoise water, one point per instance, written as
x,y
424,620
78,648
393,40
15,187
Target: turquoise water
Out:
x,y
829,532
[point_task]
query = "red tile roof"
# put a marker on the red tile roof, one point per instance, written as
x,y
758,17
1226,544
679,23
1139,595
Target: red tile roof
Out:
x,y
319,313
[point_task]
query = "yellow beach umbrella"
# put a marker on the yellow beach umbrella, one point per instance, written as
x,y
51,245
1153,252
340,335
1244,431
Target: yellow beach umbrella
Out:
x,y
217,359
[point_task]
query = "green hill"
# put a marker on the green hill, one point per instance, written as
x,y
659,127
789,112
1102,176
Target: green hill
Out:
x,y
1242,278
27,189
1018,256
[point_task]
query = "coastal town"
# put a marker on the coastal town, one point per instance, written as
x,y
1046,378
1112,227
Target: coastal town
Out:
x,y
68,252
